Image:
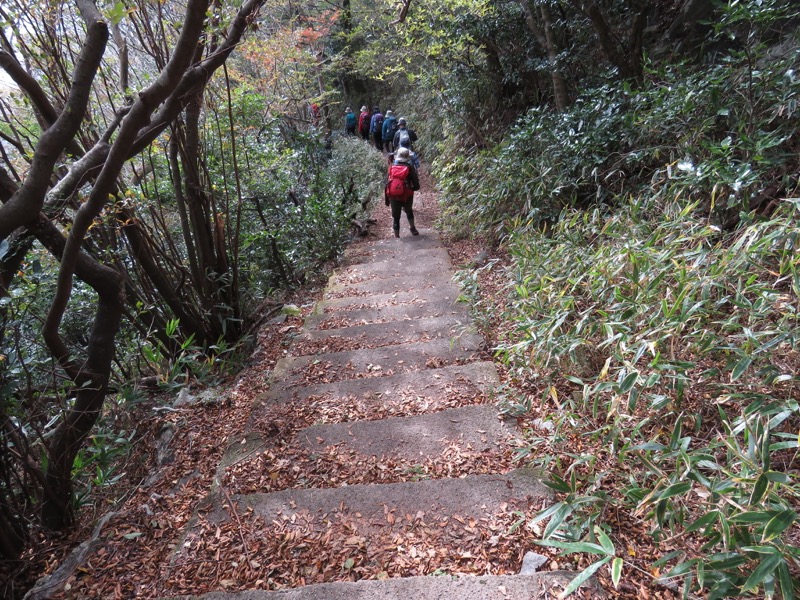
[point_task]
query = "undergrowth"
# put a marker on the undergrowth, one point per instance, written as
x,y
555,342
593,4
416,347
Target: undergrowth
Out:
x,y
652,315
675,346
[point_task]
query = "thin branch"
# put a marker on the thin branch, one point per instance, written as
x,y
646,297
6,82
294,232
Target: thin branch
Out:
x,y
403,13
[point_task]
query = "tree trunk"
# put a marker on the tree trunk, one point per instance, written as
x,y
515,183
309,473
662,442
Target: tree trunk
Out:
x,y
559,83
153,110
627,60
546,40
57,511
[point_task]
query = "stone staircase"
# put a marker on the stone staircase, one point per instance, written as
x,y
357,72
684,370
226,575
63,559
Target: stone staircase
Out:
x,y
387,382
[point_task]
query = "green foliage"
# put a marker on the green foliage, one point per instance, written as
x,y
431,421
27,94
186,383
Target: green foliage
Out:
x,y
721,136
654,296
656,321
297,224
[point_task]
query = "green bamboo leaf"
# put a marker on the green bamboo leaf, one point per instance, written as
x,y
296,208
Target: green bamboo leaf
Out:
x,y
740,368
616,571
628,382
785,579
587,547
766,567
777,476
556,483
556,520
676,489
779,523
753,516
649,446
605,541
667,558
548,512
704,521
583,576
633,398
759,489
701,574
727,560
680,569
783,446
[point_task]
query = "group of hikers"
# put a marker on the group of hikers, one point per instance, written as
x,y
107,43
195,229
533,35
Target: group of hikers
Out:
x,y
393,136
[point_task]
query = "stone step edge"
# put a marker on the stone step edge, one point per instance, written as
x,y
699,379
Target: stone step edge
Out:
x,y
534,586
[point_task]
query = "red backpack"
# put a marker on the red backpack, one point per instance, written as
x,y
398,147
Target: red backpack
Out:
x,y
399,186
363,122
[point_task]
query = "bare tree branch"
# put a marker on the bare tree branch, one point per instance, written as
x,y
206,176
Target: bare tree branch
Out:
x,y
25,205
403,13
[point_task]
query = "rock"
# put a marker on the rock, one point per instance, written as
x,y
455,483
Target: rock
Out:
x,y
480,258
531,563
183,398
208,397
291,310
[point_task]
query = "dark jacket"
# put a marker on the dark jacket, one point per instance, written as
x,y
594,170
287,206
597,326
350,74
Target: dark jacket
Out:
x,y
389,124
411,135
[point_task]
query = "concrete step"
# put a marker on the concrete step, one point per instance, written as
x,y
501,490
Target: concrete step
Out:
x,y
431,384
367,506
440,292
389,285
386,314
374,362
412,393
394,264
415,438
537,586
391,253
377,334
428,240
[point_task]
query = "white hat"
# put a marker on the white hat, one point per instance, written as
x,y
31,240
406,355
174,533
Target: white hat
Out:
x,y
363,108
402,154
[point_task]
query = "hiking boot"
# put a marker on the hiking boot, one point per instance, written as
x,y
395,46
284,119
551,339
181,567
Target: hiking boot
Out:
x,y
396,233
414,231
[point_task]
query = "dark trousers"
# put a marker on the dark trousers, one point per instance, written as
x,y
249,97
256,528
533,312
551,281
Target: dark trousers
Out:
x,y
378,139
365,135
351,130
387,145
397,208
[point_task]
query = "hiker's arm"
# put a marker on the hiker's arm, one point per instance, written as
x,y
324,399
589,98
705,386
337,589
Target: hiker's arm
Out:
x,y
414,179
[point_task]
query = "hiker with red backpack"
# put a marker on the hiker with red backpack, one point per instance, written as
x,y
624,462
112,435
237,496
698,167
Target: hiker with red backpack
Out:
x,y
363,123
401,183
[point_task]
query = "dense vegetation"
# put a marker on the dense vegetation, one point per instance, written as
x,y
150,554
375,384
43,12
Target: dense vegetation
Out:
x,y
637,160
653,303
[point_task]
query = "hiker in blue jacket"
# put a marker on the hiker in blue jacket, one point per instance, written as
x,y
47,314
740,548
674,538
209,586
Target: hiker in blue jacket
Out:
x,y
376,128
350,121
389,129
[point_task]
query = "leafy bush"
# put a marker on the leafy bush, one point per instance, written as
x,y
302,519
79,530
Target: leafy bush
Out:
x,y
710,133
653,294
650,323
300,222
